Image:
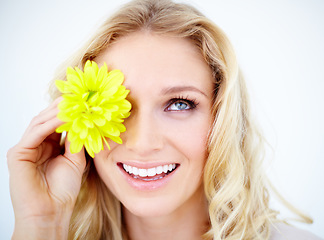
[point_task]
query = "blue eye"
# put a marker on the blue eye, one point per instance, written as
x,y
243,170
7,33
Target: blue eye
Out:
x,y
180,104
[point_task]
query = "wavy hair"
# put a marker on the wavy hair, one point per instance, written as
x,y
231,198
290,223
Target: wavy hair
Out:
x,y
233,177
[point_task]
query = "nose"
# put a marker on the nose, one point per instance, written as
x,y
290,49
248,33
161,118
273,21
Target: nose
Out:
x,y
143,135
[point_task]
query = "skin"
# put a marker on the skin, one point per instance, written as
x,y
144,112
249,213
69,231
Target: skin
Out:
x,y
44,184
161,132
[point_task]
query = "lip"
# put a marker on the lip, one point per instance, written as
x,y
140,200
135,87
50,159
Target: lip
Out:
x,y
139,164
143,185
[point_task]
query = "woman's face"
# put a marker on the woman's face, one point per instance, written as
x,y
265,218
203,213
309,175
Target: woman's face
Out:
x,y
158,168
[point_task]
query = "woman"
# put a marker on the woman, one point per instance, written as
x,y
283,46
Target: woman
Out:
x,y
190,118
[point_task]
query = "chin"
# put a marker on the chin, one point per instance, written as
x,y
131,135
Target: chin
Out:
x,y
150,207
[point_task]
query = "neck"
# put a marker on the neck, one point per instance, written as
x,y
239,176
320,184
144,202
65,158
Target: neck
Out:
x,y
189,221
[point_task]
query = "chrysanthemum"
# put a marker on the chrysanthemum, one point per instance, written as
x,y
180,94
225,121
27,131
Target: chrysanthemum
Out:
x,y
93,107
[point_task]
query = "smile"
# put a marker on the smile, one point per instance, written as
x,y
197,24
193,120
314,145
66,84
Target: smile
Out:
x,y
149,174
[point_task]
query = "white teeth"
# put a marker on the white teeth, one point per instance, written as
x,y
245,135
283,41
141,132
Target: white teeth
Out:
x,y
151,172
170,167
159,170
135,171
142,172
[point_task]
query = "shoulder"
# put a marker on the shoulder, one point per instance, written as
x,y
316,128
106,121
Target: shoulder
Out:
x,y
281,231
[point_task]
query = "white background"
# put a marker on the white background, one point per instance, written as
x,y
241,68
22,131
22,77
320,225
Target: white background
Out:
x,y
279,44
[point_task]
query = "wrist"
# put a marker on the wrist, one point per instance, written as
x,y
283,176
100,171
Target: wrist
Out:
x,y
39,228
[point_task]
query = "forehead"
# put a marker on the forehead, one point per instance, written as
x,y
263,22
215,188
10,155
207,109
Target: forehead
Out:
x,y
164,60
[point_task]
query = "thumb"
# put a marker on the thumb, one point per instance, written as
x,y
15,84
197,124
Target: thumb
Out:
x,y
78,159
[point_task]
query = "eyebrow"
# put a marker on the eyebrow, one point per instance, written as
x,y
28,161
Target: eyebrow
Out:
x,y
176,89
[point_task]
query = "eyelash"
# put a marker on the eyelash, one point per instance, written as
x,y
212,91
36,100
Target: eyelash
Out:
x,y
192,103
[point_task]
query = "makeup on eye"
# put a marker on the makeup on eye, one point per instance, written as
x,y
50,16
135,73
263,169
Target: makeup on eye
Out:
x,y
181,104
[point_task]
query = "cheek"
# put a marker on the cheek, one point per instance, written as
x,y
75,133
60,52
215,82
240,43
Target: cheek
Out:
x,y
191,138
107,172
101,158
103,163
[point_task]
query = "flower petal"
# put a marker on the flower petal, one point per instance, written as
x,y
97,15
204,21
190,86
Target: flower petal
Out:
x,y
93,108
99,120
61,86
64,127
76,146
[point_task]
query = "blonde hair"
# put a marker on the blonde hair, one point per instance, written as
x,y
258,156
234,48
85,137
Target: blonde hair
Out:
x,y
233,177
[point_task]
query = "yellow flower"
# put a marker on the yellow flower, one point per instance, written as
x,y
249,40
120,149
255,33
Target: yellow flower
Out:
x,y
93,107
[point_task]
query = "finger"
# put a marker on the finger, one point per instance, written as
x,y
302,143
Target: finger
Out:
x,y
55,137
47,150
50,112
36,135
53,105
77,159
44,116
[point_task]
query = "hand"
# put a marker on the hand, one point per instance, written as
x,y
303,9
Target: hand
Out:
x,y
44,184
